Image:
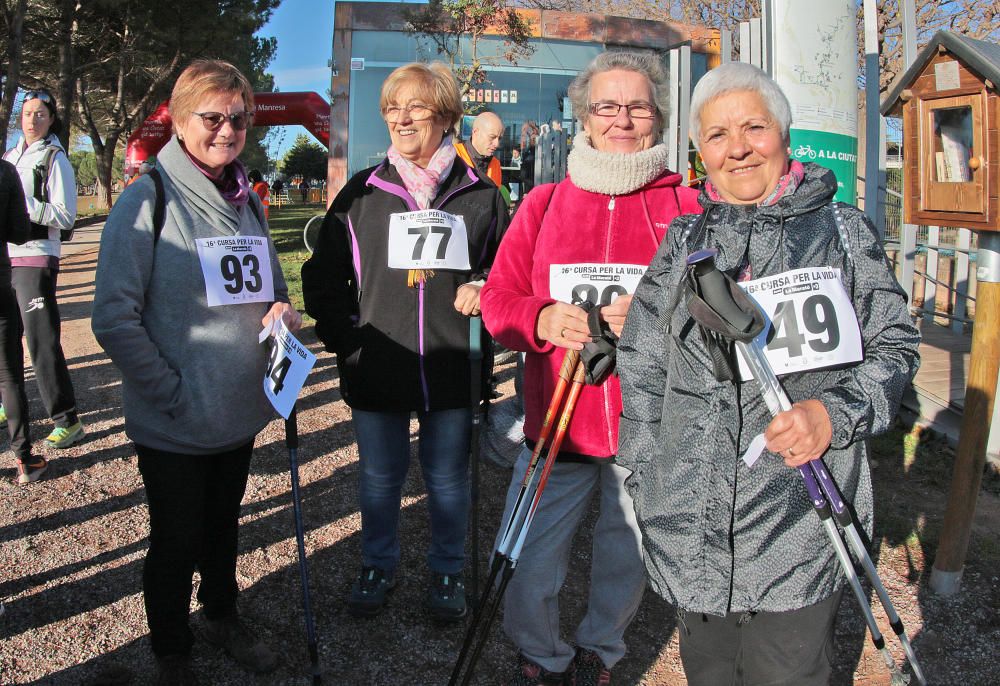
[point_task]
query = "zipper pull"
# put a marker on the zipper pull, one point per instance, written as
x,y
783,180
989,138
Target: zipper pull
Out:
x,y
611,203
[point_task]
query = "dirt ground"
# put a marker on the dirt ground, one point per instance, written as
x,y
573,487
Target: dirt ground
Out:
x,y
71,551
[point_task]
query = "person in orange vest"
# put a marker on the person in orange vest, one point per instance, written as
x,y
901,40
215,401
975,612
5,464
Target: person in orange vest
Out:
x,y
487,129
262,190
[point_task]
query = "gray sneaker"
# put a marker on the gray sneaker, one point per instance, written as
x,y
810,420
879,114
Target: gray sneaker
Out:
x,y
240,642
446,597
370,591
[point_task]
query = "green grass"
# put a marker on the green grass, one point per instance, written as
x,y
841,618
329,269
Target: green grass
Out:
x,y
287,223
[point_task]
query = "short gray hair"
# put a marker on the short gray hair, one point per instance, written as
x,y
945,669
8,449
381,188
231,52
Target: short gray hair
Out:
x,y
739,76
643,63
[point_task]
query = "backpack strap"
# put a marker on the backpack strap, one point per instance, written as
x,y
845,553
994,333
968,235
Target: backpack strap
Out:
x,y
159,205
255,209
41,173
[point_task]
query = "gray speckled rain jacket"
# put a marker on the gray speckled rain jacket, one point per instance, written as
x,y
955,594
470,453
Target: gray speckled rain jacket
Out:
x,y
720,536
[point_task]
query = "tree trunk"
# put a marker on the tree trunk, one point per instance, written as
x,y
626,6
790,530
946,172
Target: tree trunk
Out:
x,y
105,158
67,76
15,34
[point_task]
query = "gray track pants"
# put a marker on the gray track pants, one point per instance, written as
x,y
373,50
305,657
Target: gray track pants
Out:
x,y
617,574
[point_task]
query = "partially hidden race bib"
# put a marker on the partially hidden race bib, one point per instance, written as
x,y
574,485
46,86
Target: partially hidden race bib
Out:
x,y
237,270
428,239
595,282
812,323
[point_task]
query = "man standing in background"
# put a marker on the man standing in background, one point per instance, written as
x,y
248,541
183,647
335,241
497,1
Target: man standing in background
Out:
x,y
487,130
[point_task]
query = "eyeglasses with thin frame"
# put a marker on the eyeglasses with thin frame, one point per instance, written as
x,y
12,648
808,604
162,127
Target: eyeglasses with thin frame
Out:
x,y
213,120
417,112
635,110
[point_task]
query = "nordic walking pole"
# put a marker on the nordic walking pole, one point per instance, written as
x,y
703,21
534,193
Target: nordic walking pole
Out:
x,y
476,370
292,441
509,550
519,511
817,479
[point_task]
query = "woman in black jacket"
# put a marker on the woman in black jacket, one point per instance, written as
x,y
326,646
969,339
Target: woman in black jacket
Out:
x,y
397,271
15,228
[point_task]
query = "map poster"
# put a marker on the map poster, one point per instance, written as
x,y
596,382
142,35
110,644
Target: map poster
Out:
x,y
815,56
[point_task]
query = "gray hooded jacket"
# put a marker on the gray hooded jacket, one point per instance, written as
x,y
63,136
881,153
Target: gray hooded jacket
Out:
x,y
720,536
192,374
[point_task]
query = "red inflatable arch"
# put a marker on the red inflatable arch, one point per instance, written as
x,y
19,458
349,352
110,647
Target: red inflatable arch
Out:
x,y
272,109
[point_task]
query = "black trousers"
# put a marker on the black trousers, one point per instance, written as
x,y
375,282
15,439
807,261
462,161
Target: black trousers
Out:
x,y
14,398
35,288
792,648
194,509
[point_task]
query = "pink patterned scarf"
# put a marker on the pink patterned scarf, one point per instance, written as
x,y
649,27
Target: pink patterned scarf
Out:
x,y
786,185
423,183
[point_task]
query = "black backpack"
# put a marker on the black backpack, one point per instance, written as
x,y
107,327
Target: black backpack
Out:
x,y
160,206
41,193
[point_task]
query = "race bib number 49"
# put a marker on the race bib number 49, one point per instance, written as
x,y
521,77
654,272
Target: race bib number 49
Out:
x,y
237,270
594,282
812,321
428,239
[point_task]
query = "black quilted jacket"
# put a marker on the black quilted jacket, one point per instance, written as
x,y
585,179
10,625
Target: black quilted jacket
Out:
x,y
720,536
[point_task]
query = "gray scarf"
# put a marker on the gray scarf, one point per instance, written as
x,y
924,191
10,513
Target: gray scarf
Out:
x,y
199,192
613,173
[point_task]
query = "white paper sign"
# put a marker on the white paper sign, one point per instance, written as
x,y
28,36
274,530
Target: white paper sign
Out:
x,y
237,270
287,368
428,239
754,450
812,321
595,282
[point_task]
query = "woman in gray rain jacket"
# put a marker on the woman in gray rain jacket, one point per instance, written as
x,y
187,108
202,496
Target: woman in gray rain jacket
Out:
x,y
739,549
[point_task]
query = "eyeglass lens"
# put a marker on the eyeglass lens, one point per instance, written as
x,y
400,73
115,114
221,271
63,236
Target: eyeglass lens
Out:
x,y
639,110
213,120
417,112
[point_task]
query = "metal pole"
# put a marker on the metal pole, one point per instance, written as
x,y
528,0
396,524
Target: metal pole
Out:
x,y
683,112
874,131
970,457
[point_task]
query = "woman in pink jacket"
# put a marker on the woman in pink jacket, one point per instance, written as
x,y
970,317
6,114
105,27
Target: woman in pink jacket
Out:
x,y
589,237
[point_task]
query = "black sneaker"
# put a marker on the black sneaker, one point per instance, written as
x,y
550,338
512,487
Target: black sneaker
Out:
x,y
368,594
31,470
446,597
588,670
530,674
175,670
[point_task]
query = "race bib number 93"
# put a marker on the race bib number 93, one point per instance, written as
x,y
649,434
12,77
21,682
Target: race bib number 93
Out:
x,y
237,270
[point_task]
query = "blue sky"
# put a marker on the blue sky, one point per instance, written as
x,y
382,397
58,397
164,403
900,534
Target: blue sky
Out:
x,y
304,29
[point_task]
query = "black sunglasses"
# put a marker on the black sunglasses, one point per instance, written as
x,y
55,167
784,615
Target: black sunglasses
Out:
x,y
39,95
213,120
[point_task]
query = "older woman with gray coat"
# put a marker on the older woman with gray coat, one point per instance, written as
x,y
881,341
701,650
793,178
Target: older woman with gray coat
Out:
x,y
733,542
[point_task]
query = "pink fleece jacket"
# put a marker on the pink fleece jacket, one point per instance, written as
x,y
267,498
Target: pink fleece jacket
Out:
x,y
563,224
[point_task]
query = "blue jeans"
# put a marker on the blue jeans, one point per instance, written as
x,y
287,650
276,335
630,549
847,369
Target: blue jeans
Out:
x,y
443,447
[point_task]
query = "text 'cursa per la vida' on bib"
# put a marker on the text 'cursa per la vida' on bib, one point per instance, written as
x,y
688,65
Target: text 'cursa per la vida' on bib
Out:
x,y
237,270
595,282
428,239
812,323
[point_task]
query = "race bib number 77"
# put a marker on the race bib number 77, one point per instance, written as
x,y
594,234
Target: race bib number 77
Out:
x,y
428,239
812,321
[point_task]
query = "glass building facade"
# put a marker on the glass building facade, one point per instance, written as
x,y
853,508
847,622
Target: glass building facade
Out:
x,y
533,89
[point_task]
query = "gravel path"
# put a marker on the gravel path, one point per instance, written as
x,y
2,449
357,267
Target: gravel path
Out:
x,y
71,550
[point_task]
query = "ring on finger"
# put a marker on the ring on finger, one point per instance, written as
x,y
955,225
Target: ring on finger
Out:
x,y
562,333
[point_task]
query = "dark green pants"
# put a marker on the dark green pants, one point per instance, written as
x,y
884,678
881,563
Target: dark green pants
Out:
x,y
793,648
